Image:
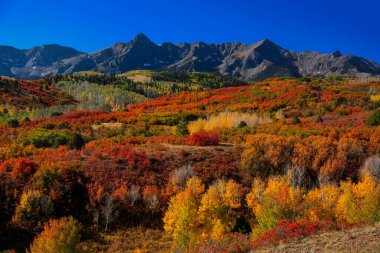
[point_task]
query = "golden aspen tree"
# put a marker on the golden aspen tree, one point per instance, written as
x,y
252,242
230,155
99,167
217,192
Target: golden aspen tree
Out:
x,y
320,203
61,236
359,202
274,201
216,209
181,219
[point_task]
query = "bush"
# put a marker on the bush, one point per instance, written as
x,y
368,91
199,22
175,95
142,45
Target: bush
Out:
x,y
374,119
48,126
75,141
319,119
44,138
26,119
13,123
295,121
203,139
242,124
56,114
181,128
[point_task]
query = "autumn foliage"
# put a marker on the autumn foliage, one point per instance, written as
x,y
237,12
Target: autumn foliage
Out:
x,y
213,170
279,200
61,235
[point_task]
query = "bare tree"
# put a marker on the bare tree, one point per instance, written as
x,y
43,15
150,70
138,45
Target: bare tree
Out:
x,y
372,166
323,179
152,202
108,211
297,175
133,194
181,175
46,205
96,217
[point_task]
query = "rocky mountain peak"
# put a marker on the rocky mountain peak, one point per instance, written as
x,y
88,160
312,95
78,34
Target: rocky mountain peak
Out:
x,y
256,61
142,38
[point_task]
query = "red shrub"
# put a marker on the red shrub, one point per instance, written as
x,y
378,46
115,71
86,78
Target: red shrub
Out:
x,y
6,166
204,139
286,231
24,168
81,113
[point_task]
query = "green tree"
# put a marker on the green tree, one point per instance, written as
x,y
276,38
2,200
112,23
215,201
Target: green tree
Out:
x,y
374,119
75,141
242,124
181,128
13,123
295,120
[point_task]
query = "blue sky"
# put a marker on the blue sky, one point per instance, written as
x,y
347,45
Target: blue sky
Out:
x,y
325,26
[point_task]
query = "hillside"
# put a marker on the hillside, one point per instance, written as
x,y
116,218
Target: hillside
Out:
x,y
28,94
200,170
256,61
359,239
362,239
96,91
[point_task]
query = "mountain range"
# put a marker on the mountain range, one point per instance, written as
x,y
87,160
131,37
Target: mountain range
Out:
x,y
254,62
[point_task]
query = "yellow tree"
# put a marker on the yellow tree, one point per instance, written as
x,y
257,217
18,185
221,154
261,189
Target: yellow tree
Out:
x,y
274,201
320,203
181,219
61,236
359,202
216,209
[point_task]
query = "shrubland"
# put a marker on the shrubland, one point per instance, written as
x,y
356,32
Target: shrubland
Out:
x,y
202,170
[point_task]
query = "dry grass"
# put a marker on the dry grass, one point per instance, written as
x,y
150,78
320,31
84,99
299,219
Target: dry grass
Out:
x,y
140,240
228,120
360,239
142,76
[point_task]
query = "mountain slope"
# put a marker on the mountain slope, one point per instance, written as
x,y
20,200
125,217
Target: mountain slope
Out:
x,y
257,61
30,94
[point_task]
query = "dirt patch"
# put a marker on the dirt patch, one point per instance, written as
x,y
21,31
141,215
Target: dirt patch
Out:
x,y
108,125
